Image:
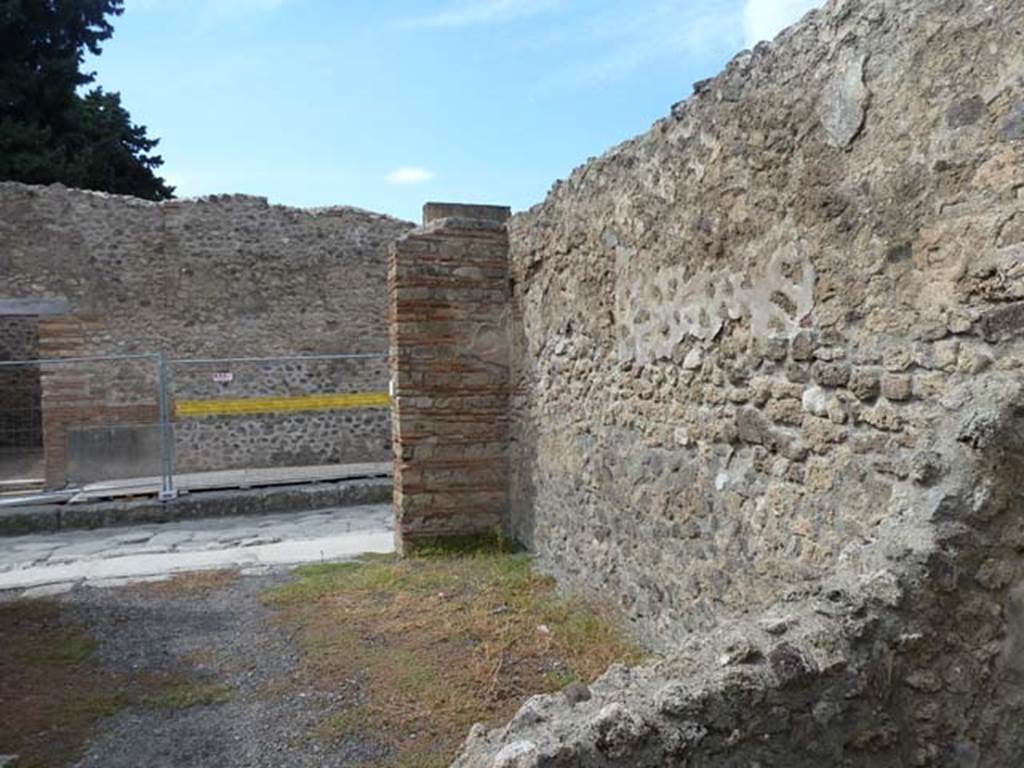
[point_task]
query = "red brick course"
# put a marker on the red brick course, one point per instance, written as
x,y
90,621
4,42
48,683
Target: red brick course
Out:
x,y
449,291
79,394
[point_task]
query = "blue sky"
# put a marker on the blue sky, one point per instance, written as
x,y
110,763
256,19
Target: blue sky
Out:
x,y
385,105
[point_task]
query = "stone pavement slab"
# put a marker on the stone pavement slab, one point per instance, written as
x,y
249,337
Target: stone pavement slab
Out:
x,y
41,518
233,478
43,563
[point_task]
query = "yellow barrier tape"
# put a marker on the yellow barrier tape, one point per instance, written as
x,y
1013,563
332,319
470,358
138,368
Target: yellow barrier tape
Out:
x,y
333,402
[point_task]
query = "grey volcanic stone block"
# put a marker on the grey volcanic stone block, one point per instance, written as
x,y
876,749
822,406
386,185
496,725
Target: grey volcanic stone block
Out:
x,y
17,521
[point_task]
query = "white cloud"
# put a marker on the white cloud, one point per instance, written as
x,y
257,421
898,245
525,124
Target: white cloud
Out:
x,y
764,19
479,12
407,175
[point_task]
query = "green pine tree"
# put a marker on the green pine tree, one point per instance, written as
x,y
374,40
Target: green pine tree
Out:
x,y
49,130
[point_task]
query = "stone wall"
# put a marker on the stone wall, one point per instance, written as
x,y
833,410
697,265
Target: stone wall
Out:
x,y
768,396
227,276
450,366
286,438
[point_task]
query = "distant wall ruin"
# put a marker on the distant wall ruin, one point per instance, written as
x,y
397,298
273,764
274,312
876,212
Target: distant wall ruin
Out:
x,y
768,395
225,276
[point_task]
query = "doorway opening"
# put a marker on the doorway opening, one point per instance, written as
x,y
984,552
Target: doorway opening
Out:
x,y
21,412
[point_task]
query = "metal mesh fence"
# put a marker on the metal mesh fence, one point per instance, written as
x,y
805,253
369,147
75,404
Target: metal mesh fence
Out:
x,y
21,414
118,426
72,421
20,411
275,413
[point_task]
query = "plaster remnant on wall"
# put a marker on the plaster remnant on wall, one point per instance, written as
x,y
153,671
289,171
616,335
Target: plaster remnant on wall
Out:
x,y
489,343
844,102
658,311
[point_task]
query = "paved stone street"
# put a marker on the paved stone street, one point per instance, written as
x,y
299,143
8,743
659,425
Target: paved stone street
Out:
x,y
46,564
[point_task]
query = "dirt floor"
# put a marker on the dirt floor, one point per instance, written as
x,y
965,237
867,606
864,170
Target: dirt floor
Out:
x,y
377,663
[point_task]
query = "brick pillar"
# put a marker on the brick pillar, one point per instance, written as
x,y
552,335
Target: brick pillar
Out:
x,y
450,302
79,394
66,390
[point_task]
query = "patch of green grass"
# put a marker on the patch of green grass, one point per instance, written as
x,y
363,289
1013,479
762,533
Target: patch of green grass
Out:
x,y
413,672
435,642
350,721
29,620
50,695
495,543
190,585
370,576
28,612
421,760
316,581
71,649
559,678
185,694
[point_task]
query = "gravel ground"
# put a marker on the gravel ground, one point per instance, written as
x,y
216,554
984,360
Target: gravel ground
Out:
x,y
224,635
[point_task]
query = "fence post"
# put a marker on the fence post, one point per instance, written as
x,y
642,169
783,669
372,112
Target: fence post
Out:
x,y
167,490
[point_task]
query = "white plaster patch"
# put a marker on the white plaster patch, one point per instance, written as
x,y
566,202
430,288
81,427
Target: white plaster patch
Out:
x,y
844,102
656,311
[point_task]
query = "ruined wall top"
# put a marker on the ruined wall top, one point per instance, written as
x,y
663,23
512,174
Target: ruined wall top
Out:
x,y
220,275
434,211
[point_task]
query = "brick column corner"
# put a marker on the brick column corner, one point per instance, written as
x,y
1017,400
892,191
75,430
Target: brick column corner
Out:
x,y
448,284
